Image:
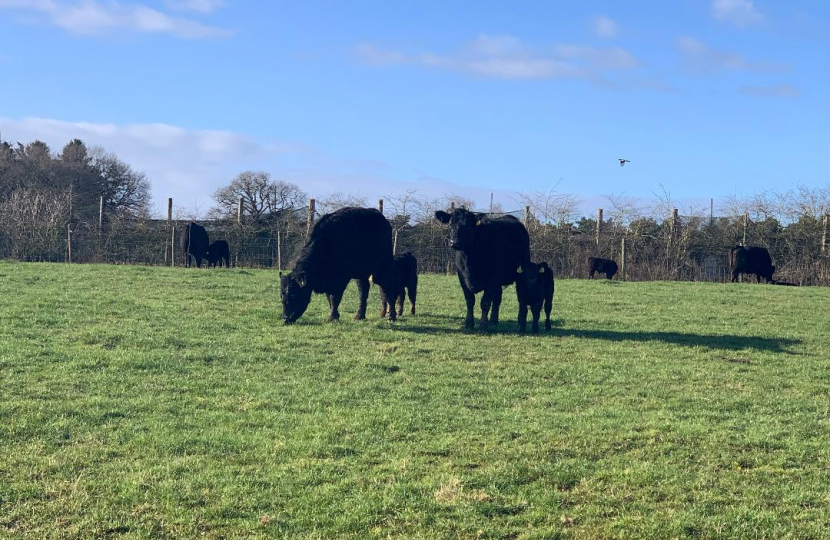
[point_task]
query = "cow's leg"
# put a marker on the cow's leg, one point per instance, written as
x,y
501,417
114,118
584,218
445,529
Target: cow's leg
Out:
x,y
187,260
386,281
591,274
470,299
399,301
412,291
486,303
334,304
548,308
522,317
494,315
363,294
198,261
609,275
536,308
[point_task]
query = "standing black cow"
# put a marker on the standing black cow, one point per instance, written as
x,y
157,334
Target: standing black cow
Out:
x,y
488,251
194,241
603,266
351,243
406,281
534,286
751,260
217,252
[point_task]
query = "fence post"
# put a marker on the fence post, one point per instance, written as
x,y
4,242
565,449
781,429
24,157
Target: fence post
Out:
x,y
622,259
279,250
69,243
173,246
395,243
311,205
527,215
169,220
380,205
824,234
452,207
746,224
491,203
599,223
239,211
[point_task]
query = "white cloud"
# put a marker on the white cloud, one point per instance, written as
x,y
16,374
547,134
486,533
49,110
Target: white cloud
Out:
x,y
605,28
701,58
740,13
199,6
91,17
189,165
775,91
507,57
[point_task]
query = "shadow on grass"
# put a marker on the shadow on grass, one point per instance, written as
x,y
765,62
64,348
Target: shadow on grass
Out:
x,y
723,342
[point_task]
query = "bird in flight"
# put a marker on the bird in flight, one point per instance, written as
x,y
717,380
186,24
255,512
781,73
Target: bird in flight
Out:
x,y
624,161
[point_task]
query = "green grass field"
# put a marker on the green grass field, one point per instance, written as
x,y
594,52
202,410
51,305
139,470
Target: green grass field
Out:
x,y
169,403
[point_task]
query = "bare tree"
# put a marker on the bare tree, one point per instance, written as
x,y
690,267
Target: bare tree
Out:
x,y
338,200
260,195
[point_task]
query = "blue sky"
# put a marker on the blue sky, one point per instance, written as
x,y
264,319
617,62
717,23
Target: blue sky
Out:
x,y
708,98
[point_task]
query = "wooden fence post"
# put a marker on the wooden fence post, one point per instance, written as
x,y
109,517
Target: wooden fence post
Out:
x,y
173,246
279,250
622,259
380,205
311,206
746,224
395,243
169,224
69,243
527,215
239,211
824,234
599,223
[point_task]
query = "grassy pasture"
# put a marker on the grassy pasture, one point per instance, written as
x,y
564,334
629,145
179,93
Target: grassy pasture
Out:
x,y
141,402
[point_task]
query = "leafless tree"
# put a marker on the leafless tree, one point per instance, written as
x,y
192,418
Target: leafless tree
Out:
x,y
260,196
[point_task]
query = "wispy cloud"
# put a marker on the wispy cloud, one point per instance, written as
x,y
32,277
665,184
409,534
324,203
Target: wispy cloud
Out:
x,y
507,57
774,91
605,28
199,6
699,57
740,13
90,17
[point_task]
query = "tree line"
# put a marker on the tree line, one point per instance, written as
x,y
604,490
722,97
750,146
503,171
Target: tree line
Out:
x,y
48,198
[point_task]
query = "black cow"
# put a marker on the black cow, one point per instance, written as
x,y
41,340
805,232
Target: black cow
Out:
x,y
351,243
194,241
217,252
488,251
534,286
751,260
406,281
603,266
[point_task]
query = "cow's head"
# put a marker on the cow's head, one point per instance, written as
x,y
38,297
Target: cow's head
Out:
x,y
462,224
295,294
531,274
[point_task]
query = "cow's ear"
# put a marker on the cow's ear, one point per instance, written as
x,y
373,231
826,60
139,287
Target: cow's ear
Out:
x,y
519,270
479,217
301,279
541,269
442,216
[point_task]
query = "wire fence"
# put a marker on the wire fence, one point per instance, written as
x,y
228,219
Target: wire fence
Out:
x,y
690,248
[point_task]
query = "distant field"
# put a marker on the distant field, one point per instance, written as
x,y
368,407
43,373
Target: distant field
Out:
x,y
140,402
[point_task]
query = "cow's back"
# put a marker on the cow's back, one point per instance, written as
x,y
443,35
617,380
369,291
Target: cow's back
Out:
x,y
346,244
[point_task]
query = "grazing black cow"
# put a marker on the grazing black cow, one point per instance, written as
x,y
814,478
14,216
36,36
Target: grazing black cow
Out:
x,y
194,241
603,266
488,251
351,243
217,252
534,286
406,281
751,260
